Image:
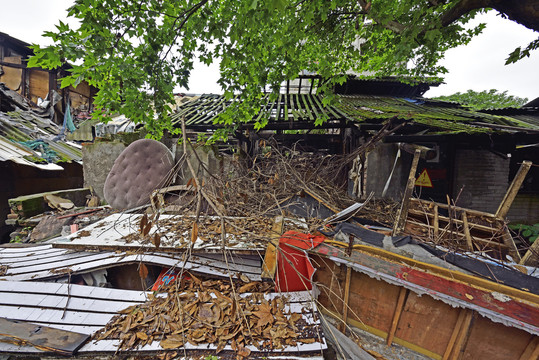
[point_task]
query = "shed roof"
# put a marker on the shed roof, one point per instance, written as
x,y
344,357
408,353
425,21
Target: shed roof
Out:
x,y
295,111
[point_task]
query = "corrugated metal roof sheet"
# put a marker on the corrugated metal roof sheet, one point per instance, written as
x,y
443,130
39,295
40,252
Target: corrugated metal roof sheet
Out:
x,y
19,127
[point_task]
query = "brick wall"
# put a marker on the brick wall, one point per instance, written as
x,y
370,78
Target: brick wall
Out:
x,y
484,179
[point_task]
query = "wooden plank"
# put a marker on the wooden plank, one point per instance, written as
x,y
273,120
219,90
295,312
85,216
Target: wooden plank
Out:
x,y
38,85
346,298
55,316
41,337
455,208
46,260
462,335
60,302
459,234
29,287
23,249
112,346
269,266
396,316
112,259
436,224
467,231
403,211
532,350
531,257
454,334
512,192
494,341
512,306
445,219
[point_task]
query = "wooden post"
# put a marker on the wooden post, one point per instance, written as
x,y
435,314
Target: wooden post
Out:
x,y
463,334
436,224
396,315
269,267
403,212
512,192
456,331
467,231
348,279
531,258
532,350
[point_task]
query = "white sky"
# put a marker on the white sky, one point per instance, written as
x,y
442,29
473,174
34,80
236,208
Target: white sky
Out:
x,y
477,66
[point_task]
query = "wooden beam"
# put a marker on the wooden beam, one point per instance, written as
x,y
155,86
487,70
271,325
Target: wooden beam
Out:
x,y
396,315
532,350
403,212
348,279
531,258
342,326
512,192
436,223
454,334
467,231
269,267
462,335
510,243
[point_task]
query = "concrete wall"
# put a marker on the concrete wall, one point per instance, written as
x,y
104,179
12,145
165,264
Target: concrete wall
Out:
x,y
97,159
206,160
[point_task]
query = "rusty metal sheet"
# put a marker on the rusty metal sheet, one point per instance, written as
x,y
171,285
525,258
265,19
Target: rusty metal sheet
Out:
x,y
43,338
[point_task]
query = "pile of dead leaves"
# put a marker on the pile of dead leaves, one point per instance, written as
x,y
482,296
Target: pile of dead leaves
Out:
x,y
212,312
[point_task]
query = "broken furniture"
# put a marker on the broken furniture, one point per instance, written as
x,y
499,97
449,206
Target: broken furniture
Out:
x,y
140,169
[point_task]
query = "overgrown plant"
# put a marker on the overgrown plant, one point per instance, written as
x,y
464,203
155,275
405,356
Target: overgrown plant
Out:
x,y
136,52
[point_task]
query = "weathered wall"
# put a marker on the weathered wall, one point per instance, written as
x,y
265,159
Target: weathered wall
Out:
x,y
97,159
206,160
484,179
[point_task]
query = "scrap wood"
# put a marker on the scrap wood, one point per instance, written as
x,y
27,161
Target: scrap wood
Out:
x,y
198,311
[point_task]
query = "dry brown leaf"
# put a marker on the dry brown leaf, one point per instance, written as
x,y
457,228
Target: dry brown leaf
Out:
x,y
141,335
156,240
294,317
264,314
247,287
243,351
194,232
307,341
143,271
143,223
171,342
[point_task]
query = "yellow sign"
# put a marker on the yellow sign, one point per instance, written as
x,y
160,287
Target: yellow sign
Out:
x,y
424,180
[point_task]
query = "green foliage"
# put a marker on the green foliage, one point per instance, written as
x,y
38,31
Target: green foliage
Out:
x,y
487,99
136,52
529,232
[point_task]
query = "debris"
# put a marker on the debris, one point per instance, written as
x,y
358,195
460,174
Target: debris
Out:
x,y
199,311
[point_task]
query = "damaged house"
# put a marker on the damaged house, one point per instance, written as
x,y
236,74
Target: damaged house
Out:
x,y
35,156
370,236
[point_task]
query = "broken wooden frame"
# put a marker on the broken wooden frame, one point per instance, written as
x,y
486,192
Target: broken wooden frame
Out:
x,y
444,314
460,228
